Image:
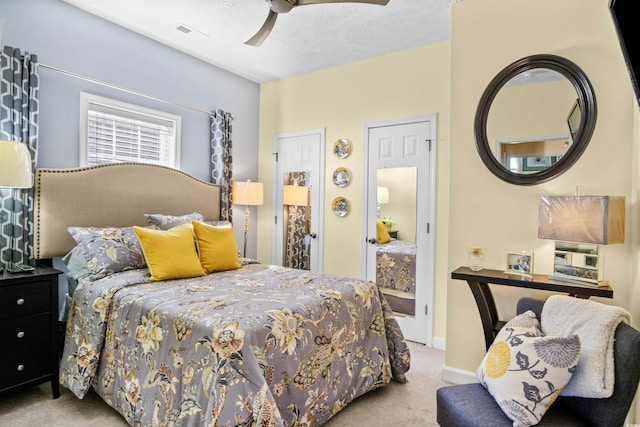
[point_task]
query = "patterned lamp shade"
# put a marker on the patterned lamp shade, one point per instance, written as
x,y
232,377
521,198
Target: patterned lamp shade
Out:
x,y
582,219
15,165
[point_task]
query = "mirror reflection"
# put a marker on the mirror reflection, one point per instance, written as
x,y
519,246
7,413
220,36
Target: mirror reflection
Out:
x,y
396,237
531,121
297,220
535,100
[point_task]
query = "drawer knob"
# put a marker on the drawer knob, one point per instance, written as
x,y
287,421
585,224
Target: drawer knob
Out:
x,y
20,334
20,301
20,368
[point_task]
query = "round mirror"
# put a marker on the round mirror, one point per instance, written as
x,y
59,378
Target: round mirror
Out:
x,y
535,119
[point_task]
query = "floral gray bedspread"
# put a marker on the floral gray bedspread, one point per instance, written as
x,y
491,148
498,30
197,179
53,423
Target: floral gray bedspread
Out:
x,y
258,346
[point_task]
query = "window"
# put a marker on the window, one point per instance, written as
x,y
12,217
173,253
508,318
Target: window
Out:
x,y
114,131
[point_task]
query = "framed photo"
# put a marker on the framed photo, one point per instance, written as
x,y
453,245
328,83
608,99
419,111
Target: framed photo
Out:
x,y
520,263
538,163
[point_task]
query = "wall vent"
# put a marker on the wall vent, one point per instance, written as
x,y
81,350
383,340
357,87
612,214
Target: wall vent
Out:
x,y
183,29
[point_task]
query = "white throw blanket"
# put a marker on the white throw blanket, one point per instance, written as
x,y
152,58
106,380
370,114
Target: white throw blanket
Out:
x,y
595,324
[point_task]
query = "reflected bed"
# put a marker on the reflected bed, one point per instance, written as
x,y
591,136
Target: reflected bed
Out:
x,y
396,274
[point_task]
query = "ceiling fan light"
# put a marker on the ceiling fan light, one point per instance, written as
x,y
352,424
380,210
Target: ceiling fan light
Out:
x,y
281,6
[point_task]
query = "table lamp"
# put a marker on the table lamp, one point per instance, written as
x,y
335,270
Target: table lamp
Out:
x,y
297,195
15,172
15,165
580,224
382,198
249,194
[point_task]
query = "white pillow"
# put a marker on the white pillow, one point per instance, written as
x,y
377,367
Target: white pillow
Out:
x,y
525,371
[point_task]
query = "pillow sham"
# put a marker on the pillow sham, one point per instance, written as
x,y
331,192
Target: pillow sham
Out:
x,y
382,235
108,250
217,246
221,223
166,222
525,371
170,254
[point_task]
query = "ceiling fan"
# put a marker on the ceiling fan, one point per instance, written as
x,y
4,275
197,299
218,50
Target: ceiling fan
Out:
x,y
277,7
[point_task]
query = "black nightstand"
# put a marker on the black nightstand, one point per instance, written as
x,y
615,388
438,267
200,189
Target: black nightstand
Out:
x,y
393,234
29,329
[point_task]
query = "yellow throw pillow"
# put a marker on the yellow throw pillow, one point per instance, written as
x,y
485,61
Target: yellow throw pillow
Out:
x,y
170,254
382,235
218,248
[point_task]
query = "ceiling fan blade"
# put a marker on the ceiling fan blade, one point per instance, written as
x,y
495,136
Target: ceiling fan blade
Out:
x,y
264,31
306,2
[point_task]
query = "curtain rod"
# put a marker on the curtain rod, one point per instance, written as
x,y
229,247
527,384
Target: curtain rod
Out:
x,y
124,89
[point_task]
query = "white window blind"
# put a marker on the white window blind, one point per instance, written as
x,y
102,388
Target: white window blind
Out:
x,y
113,131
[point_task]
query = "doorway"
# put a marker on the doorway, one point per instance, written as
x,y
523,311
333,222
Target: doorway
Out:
x,y
400,165
298,197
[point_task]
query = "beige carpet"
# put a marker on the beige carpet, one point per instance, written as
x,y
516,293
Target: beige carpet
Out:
x,y
411,404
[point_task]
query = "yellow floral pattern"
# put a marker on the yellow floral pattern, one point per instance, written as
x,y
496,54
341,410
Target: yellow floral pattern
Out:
x,y
258,346
498,360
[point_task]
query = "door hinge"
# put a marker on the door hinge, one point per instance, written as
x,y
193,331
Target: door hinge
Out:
x,y
276,156
428,140
275,220
428,227
426,310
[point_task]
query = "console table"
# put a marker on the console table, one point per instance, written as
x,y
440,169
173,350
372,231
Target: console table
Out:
x,y
479,283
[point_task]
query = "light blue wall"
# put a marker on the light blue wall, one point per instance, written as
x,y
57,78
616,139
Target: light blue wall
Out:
x,y
68,38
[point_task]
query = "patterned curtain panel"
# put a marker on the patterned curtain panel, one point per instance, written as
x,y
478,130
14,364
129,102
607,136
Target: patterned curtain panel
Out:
x,y
295,251
19,87
222,159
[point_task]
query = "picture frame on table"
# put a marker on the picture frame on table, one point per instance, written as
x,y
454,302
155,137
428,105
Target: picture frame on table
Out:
x,y
520,263
538,163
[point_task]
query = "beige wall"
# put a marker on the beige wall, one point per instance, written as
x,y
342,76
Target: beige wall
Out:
x,y
473,206
504,216
342,100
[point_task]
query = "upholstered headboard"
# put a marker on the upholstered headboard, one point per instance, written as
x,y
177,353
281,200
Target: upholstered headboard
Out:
x,y
114,194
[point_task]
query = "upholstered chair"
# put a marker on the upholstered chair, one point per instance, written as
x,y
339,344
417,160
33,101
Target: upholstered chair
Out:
x,y
471,405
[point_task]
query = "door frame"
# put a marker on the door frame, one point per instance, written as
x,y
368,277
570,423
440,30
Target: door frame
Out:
x,y
277,196
431,211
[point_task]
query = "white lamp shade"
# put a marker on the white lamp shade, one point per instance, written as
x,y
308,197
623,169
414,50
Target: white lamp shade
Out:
x,y
582,219
295,195
247,193
383,195
15,165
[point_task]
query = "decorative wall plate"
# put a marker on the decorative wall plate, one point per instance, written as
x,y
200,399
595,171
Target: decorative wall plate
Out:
x,y
341,177
342,148
340,206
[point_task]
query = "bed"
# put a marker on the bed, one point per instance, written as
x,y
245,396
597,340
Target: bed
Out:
x,y
396,274
245,345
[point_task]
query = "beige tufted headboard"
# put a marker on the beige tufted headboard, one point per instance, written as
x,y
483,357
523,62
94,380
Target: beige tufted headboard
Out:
x,y
114,194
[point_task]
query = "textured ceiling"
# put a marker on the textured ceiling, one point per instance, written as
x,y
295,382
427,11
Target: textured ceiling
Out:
x,y
306,39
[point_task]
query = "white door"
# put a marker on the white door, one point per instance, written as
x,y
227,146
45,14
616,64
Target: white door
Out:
x,y
400,163
299,153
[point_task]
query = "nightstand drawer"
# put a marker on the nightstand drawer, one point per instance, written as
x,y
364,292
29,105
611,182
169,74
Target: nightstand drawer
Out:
x,y
25,299
23,332
23,366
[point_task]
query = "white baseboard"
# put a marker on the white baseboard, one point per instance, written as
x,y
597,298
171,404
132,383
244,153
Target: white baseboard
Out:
x,y
458,376
439,343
